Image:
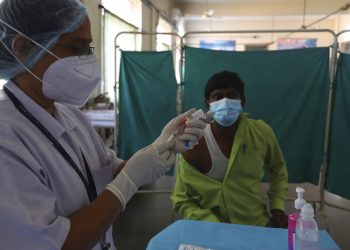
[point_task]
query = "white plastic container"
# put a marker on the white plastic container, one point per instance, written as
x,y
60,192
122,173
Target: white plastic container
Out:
x,y
292,218
307,235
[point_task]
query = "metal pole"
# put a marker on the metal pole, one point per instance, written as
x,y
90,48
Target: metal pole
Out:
x,y
324,164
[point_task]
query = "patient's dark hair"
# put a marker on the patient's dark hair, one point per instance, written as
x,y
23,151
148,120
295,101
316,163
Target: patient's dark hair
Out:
x,y
222,80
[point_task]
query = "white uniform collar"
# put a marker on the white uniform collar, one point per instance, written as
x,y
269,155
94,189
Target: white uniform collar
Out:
x,y
46,119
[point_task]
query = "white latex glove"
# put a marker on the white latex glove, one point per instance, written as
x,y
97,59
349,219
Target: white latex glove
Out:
x,y
186,133
150,163
145,166
177,124
193,132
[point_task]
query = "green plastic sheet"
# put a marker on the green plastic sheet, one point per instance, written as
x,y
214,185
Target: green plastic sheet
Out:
x,y
147,98
339,164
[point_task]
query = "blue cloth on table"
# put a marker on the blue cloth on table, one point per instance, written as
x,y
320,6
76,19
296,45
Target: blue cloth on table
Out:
x,y
222,236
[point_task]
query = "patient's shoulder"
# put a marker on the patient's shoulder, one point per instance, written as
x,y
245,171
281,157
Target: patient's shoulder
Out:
x,y
198,156
192,153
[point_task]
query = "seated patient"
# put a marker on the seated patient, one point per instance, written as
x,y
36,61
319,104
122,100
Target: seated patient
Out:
x,y
219,180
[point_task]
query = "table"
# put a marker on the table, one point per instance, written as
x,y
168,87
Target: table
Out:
x,y
101,118
223,236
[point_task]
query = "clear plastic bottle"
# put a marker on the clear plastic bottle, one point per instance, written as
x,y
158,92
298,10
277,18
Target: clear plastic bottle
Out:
x,y
307,235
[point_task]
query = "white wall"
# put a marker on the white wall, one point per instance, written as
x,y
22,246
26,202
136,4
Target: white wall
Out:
x,y
149,24
164,6
344,24
94,13
257,23
240,8
95,20
239,22
267,14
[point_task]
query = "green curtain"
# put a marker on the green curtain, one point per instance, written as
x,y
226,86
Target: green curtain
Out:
x,y
147,98
287,89
339,165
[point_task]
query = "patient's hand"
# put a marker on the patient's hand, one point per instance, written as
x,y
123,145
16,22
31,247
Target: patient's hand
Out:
x,y
279,218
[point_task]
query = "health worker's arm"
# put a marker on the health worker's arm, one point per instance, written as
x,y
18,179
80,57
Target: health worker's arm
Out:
x,y
119,168
146,165
28,211
183,204
88,225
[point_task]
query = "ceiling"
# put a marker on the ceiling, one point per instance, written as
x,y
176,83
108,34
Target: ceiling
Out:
x,y
250,8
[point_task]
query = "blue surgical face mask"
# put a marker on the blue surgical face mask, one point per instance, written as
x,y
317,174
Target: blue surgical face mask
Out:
x,y
226,111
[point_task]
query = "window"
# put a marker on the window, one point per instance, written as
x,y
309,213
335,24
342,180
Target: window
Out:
x,y
114,24
2,83
169,42
163,41
228,45
128,10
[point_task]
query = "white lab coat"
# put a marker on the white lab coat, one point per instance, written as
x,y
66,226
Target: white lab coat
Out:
x,y
38,188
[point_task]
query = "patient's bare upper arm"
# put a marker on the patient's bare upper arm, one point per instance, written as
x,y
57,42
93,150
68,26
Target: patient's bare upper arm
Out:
x,y
199,156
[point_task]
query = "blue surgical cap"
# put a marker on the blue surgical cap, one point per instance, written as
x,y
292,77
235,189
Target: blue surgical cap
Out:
x,y
43,21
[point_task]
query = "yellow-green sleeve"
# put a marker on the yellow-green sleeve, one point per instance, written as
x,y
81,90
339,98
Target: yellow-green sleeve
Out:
x,y
183,204
278,173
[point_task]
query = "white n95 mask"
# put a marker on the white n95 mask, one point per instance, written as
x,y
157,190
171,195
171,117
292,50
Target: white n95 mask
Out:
x,y
71,80
226,111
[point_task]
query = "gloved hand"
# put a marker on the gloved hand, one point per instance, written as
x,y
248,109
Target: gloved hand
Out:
x,y
192,133
142,168
186,133
150,163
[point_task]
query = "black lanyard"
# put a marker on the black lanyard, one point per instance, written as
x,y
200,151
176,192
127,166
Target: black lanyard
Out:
x,y
89,183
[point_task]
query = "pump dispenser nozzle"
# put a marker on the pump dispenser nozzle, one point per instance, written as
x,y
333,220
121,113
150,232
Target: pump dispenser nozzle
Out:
x,y
299,202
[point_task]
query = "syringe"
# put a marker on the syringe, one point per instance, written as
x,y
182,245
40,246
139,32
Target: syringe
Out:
x,y
199,114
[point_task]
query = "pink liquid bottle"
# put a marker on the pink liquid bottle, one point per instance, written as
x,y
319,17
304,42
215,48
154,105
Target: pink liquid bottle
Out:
x,y
292,218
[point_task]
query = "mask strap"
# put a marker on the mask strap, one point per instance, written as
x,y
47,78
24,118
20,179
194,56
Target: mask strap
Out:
x,y
19,61
19,32
36,43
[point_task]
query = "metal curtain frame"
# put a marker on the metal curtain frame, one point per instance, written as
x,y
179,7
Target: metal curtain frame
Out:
x,y
342,32
116,81
332,71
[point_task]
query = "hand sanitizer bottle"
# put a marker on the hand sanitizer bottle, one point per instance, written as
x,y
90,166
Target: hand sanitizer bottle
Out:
x,y
307,235
292,218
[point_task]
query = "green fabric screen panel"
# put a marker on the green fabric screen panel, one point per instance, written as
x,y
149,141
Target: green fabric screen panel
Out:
x,y
147,98
339,164
288,89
